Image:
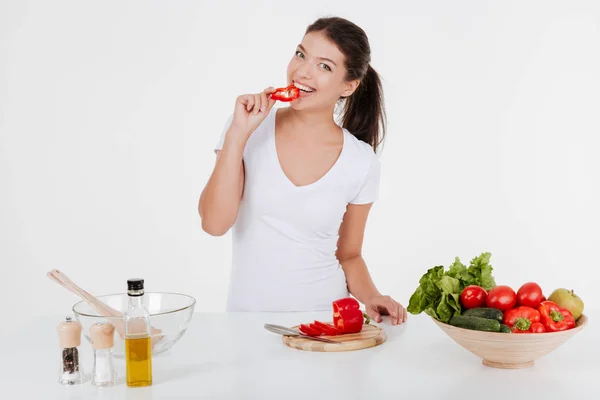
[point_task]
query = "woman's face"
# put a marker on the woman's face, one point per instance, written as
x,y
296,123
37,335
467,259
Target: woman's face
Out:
x,y
318,70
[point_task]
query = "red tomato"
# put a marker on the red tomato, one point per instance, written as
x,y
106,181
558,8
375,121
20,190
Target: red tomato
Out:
x,y
501,297
530,295
473,296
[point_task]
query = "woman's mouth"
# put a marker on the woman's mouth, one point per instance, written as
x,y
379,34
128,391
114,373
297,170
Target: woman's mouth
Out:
x,y
304,88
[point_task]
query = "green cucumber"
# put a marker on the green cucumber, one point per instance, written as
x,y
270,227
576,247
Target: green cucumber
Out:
x,y
485,312
475,323
505,329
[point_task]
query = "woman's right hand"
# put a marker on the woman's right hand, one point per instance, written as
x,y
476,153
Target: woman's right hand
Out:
x,y
251,109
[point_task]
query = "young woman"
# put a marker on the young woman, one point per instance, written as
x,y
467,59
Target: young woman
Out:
x,y
297,187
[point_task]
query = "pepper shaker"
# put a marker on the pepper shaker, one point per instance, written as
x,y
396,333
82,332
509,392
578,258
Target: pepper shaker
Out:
x,y
104,373
69,336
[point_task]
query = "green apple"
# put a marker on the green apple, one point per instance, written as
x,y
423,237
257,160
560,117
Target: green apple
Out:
x,y
568,299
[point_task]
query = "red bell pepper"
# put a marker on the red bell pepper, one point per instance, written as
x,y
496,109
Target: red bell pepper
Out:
x,y
521,318
537,327
554,318
288,93
351,321
347,315
347,303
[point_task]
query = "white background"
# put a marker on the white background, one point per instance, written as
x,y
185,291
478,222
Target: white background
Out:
x,y
110,112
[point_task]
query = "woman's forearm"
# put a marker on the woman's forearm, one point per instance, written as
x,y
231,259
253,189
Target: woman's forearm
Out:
x,y
358,279
220,199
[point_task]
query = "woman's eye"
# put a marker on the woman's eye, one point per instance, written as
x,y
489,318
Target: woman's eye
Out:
x,y
299,54
326,67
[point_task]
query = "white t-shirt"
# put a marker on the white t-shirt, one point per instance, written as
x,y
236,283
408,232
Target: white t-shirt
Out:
x,y
285,236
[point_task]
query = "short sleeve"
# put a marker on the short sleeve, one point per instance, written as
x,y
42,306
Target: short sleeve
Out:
x,y
221,140
369,189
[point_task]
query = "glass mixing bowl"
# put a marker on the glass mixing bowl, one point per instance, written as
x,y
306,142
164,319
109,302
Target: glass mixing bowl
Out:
x,y
169,312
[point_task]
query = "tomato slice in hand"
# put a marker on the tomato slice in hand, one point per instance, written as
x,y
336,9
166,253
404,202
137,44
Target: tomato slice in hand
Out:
x,y
327,329
308,330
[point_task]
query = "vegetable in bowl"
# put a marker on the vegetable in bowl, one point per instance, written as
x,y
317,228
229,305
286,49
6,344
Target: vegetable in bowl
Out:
x,y
438,293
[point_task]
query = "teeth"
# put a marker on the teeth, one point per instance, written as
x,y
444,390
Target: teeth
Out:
x,y
304,88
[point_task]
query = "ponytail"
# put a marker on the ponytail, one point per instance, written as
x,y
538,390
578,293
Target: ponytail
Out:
x,y
364,113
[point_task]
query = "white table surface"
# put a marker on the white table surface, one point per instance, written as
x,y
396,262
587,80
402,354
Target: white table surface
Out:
x,y
231,356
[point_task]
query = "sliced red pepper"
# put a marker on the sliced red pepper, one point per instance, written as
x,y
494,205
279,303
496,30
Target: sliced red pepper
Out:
x,y
347,303
327,329
309,331
317,328
351,321
554,318
288,93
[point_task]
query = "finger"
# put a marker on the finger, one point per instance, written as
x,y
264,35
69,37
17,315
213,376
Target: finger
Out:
x,y
257,104
405,314
242,100
374,315
392,309
270,102
264,102
398,313
401,313
250,102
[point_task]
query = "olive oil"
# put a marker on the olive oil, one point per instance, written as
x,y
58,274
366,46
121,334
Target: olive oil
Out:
x,y
138,357
138,339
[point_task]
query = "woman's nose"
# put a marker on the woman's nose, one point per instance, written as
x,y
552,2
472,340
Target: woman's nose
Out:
x,y
304,72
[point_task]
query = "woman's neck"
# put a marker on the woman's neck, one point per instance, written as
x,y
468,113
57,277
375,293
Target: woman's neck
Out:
x,y
307,123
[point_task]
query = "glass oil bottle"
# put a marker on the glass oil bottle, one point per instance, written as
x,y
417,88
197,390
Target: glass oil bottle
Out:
x,y
138,338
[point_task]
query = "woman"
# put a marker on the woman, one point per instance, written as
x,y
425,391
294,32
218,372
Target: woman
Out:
x,y
297,188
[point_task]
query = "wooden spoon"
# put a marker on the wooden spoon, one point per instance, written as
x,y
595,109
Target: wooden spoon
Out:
x,y
100,307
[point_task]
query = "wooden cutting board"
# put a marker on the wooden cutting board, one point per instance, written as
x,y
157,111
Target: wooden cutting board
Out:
x,y
370,336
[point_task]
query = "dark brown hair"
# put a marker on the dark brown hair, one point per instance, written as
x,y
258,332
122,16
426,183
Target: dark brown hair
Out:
x,y
364,113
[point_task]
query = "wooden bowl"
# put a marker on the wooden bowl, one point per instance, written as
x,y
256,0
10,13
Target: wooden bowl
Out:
x,y
509,350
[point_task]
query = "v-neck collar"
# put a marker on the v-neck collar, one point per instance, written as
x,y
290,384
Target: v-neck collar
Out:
x,y
323,177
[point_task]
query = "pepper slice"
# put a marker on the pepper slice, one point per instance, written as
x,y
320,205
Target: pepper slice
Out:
x,y
554,318
304,328
327,329
286,94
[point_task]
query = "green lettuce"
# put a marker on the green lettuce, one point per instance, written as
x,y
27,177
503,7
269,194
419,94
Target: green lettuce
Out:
x,y
438,293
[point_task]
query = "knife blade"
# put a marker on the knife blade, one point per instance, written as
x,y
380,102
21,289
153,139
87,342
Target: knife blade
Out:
x,y
282,330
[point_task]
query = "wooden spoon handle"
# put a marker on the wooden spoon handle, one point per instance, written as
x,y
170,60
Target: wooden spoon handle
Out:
x,y
98,305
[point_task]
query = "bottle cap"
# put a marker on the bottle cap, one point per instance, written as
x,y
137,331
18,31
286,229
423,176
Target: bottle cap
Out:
x,y
69,333
102,336
135,287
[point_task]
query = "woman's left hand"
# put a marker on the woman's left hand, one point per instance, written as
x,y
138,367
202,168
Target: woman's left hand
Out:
x,y
385,305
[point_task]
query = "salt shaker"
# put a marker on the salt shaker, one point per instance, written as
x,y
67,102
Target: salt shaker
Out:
x,y
103,341
69,336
